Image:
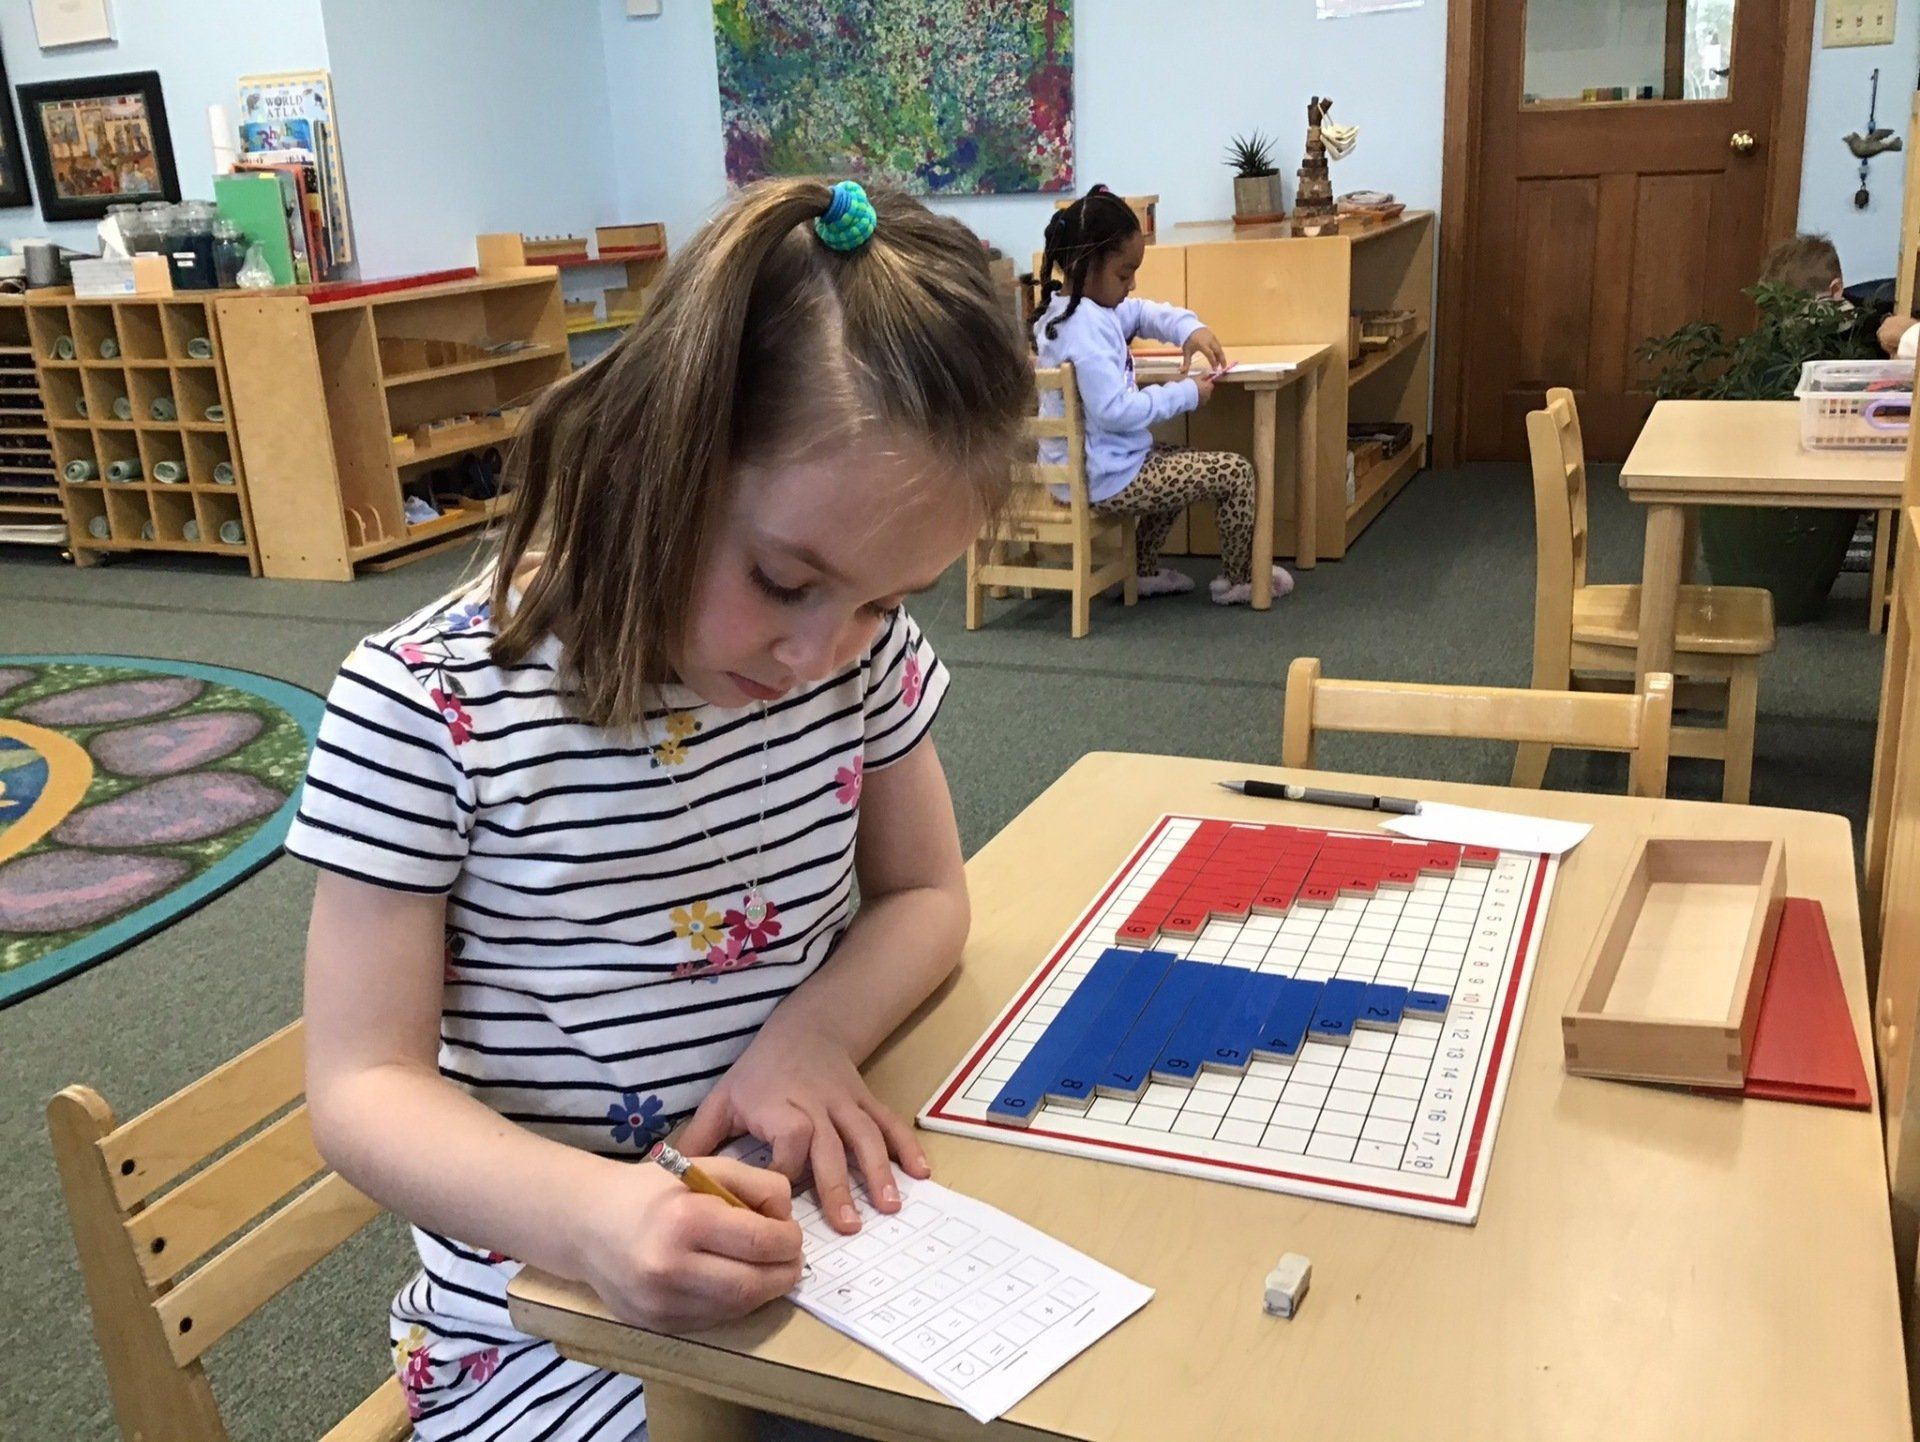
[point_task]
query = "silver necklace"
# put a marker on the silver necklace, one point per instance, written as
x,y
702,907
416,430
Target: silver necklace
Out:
x,y
754,906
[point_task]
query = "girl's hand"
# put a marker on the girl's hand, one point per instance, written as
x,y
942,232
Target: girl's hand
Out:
x,y
1891,329
1204,383
667,1258
804,1097
1202,342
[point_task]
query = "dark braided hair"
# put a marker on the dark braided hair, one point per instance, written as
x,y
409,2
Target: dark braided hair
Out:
x,y
1093,227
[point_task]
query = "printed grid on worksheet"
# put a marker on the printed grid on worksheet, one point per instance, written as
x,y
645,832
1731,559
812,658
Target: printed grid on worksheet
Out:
x,y
1387,1112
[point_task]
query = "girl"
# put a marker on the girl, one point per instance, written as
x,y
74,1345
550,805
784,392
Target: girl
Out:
x,y
1094,248
588,833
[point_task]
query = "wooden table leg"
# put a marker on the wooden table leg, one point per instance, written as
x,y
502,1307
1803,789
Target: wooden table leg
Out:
x,y
676,1414
1660,589
1306,469
1266,410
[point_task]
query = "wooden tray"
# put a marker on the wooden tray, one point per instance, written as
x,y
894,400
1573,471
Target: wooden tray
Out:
x,y
1671,990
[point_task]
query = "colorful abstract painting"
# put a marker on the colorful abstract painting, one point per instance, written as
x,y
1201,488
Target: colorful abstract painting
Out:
x,y
133,791
939,97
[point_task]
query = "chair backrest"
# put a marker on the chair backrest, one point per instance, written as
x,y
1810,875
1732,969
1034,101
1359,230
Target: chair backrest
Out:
x,y
1587,720
1559,511
138,1227
1033,480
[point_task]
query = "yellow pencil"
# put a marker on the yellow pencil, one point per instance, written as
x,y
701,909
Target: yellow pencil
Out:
x,y
695,1179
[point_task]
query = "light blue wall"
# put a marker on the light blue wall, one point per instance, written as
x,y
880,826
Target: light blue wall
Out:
x,y
464,116
199,47
1837,92
1159,88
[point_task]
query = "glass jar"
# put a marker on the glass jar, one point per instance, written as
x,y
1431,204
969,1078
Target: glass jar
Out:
x,y
190,244
229,253
156,219
126,221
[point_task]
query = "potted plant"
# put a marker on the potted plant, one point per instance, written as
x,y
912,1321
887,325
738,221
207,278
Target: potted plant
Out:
x,y
1793,552
1256,180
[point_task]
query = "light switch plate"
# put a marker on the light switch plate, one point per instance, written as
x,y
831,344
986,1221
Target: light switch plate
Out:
x,y
641,9
1857,22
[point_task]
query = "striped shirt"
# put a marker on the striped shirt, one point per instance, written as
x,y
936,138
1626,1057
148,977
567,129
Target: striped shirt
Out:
x,y
607,955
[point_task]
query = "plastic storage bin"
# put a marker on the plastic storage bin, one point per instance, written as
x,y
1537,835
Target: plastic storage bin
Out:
x,y
1855,404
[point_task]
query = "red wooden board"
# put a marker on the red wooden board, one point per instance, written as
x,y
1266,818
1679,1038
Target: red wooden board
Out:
x,y
1804,1048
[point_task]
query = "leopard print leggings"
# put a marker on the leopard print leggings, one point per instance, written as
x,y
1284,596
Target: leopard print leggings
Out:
x,y
1173,478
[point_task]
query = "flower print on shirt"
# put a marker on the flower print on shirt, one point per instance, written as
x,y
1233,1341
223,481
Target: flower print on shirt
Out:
x,y
753,923
459,723
634,1120
699,925
848,779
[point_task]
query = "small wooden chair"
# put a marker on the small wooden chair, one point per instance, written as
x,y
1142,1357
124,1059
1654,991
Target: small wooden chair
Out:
x,y
153,1323
1638,725
1585,637
1099,549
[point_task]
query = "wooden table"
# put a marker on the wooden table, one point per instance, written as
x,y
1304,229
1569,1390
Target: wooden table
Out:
x,y
1648,1263
1731,453
1302,375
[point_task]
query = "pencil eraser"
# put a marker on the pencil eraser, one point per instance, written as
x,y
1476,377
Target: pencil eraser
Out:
x,y
1287,1285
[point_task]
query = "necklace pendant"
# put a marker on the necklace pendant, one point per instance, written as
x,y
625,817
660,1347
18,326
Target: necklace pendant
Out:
x,y
754,907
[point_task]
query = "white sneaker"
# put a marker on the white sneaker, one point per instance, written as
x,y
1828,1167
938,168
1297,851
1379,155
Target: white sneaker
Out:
x,y
1164,582
1228,593
419,510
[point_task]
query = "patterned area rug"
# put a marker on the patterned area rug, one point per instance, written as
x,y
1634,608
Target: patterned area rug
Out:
x,y
132,792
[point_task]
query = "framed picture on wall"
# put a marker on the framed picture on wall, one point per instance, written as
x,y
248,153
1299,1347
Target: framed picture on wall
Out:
x,y
13,160
98,141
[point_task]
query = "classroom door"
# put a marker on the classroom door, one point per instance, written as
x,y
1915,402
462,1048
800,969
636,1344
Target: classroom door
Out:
x,y
1625,149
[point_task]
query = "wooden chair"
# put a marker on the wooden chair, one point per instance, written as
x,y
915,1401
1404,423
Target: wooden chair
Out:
x,y
1099,550
1636,724
1584,637
154,1323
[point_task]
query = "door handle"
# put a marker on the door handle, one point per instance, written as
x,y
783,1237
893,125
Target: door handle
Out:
x,y
1741,142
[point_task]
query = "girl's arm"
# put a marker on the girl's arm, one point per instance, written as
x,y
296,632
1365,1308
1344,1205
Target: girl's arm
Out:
x,y
1156,320
1110,403
386,1120
798,1086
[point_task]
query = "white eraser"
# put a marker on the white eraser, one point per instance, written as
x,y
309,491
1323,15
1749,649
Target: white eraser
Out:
x,y
1287,1284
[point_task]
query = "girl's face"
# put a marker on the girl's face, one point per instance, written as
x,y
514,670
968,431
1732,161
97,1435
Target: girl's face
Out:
x,y
809,559
1110,278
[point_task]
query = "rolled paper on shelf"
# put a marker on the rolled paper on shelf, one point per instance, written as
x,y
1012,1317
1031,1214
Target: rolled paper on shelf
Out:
x,y
169,473
81,470
223,473
63,350
231,533
109,349
200,348
123,408
98,528
146,530
123,470
217,413
163,409
80,407
190,531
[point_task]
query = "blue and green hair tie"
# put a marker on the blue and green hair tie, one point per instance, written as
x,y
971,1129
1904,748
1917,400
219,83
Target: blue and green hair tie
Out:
x,y
849,220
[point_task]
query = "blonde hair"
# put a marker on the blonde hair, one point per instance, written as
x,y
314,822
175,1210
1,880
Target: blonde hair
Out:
x,y
758,342
1806,262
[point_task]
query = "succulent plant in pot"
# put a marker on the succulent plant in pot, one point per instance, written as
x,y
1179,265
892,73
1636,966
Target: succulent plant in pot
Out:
x,y
1256,179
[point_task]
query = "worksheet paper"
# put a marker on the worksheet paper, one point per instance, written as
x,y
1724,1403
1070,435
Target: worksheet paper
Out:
x,y
979,1306
1502,830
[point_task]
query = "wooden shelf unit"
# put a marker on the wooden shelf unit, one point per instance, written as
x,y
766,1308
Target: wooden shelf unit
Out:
x,y
638,251
319,413
30,509
1263,285
152,334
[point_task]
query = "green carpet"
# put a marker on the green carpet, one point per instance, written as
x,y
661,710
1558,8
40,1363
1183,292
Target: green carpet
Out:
x,y
1440,587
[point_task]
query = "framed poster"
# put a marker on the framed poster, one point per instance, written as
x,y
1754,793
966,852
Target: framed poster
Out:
x,y
13,160
98,141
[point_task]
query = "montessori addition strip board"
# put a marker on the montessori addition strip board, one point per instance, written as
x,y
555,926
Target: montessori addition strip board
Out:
x,y
1326,1013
